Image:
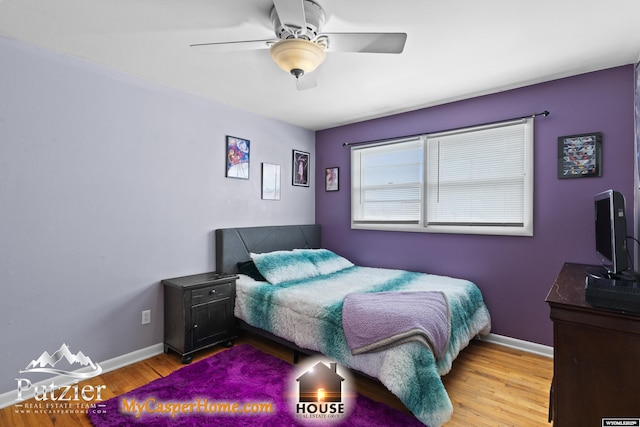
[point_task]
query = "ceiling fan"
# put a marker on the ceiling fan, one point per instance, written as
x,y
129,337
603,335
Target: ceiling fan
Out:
x,y
300,46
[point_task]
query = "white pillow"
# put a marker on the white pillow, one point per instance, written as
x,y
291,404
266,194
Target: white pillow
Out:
x,y
284,266
327,262
299,264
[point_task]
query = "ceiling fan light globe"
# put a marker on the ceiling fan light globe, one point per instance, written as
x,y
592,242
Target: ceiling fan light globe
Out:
x,y
297,56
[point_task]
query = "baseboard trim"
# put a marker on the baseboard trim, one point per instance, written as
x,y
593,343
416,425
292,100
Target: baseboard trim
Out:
x,y
11,398
529,347
131,358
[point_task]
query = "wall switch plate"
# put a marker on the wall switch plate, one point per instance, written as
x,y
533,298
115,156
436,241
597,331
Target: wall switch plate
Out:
x,y
146,317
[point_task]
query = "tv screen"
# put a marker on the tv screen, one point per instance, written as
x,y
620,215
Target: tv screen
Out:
x,y
611,231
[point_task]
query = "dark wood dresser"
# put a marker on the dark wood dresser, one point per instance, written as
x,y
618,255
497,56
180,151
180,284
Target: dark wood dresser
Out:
x,y
596,356
198,312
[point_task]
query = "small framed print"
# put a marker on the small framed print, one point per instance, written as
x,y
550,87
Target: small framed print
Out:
x,y
331,179
580,156
270,181
300,169
237,158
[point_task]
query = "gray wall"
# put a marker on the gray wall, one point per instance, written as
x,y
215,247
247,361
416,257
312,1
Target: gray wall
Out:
x,y
109,184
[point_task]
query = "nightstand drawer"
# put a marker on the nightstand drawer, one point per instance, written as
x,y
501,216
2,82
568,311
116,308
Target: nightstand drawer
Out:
x,y
211,293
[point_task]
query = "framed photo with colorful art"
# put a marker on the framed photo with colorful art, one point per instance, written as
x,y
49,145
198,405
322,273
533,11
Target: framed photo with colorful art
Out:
x,y
580,156
237,158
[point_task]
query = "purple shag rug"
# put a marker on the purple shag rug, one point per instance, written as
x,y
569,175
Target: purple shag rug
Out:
x,y
239,375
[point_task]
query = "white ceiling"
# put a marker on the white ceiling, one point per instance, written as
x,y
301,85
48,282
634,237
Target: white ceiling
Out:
x,y
455,49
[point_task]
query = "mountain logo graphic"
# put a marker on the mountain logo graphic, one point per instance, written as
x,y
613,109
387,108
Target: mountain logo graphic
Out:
x,y
47,362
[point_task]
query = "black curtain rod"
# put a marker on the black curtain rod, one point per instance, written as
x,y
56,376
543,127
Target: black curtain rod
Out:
x,y
376,141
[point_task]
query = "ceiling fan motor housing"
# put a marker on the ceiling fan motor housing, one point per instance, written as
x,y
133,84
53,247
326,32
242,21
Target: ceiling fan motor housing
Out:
x,y
314,17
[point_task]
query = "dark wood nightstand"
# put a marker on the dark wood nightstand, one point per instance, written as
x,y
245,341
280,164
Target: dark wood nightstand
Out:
x,y
198,312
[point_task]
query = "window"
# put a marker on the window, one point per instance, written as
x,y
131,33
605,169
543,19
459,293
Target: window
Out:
x,y
389,185
477,180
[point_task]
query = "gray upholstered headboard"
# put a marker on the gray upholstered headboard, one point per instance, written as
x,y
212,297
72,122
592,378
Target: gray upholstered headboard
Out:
x,y
234,245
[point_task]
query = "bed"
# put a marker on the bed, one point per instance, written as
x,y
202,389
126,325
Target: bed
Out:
x,y
314,300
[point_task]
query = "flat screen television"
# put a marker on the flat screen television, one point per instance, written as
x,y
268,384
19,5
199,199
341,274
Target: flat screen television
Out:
x,y
611,232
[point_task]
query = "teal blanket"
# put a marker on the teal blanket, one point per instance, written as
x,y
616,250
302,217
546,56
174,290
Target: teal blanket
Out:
x,y
307,310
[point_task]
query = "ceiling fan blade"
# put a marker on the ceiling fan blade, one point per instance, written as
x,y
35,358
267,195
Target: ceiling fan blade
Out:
x,y
308,81
291,13
367,42
232,46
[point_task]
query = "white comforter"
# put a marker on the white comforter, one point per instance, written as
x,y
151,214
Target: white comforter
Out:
x,y
308,312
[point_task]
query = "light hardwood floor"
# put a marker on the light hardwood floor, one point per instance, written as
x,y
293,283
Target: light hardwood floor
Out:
x,y
489,385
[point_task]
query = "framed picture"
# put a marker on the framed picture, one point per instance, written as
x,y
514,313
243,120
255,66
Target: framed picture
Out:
x,y
331,179
237,158
580,156
270,181
300,169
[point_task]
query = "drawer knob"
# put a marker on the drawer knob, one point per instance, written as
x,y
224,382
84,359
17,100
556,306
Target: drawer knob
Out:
x,y
195,326
213,291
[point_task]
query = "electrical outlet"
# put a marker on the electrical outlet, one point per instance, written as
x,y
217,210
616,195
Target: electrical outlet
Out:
x,y
146,317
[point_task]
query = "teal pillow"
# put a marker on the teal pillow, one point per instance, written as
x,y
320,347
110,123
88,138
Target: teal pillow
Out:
x,y
326,261
284,266
299,264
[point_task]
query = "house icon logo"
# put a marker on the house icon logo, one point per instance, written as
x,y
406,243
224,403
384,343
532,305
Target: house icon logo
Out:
x,y
321,383
321,393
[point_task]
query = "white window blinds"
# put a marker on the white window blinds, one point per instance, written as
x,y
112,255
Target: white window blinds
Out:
x,y
387,182
474,180
479,177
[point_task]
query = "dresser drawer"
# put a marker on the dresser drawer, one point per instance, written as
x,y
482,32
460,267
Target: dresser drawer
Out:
x,y
211,293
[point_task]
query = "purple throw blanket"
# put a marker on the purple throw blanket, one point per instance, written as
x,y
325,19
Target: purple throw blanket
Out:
x,y
377,321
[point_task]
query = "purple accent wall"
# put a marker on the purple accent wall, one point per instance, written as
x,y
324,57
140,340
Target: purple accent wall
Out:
x,y
514,273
